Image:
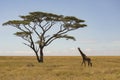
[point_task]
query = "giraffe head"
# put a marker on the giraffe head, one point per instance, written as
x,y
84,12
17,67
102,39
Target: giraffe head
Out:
x,y
78,48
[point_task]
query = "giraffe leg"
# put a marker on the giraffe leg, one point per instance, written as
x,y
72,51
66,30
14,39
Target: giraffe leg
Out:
x,y
83,62
89,62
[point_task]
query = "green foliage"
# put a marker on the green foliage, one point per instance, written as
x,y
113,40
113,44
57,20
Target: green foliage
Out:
x,y
41,16
64,36
72,18
16,22
23,34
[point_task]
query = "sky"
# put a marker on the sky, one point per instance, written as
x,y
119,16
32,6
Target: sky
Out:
x,y
99,38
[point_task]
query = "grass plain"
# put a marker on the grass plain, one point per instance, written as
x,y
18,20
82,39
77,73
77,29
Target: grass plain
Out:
x,y
59,68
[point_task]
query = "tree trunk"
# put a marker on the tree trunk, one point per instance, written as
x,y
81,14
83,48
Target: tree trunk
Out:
x,y
41,55
37,57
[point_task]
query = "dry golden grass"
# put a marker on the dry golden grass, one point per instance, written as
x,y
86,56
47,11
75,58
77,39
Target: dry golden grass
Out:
x,y
59,68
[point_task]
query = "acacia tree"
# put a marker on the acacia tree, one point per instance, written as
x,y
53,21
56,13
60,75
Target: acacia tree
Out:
x,y
39,29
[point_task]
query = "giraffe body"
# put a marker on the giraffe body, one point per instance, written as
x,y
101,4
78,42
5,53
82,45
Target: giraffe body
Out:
x,y
85,59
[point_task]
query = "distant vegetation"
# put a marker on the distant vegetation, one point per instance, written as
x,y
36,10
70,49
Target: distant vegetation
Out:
x,y
59,68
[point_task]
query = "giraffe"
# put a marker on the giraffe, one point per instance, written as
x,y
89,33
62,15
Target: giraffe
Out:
x,y
85,58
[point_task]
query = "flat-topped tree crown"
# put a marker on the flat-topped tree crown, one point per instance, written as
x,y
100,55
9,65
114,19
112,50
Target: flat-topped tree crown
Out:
x,y
36,29
41,16
73,22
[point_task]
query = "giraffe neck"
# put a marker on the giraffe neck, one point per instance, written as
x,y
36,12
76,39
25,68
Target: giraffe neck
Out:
x,y
83,55
80,51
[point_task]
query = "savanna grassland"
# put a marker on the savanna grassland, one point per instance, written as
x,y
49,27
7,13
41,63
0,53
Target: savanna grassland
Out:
x,y
59,68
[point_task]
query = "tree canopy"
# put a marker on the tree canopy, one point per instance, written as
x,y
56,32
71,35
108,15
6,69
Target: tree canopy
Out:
x,y
35,29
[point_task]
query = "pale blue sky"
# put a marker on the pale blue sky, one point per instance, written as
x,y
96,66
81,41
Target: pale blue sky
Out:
x,y
100,37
